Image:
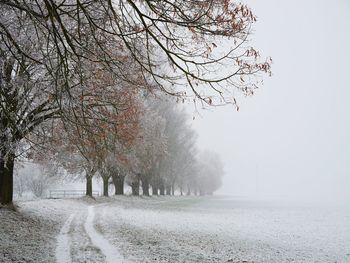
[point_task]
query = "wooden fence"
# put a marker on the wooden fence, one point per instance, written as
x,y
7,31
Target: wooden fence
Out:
x,y
57,194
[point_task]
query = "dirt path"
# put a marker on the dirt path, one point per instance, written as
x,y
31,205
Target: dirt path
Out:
x,y
109,251
63,254
79,241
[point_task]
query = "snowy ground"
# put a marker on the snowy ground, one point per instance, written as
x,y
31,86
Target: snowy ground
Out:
x,y
173,229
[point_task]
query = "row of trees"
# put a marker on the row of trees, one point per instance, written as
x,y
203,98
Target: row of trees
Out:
x,y
79,66
153,145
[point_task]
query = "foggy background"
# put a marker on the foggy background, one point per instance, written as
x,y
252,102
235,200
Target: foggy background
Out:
x,y
291,140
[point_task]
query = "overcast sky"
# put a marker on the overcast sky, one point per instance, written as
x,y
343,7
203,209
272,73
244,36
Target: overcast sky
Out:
x,y
293,137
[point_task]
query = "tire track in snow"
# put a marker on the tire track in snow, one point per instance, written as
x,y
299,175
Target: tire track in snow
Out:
x,y
64,243
110,252
82,249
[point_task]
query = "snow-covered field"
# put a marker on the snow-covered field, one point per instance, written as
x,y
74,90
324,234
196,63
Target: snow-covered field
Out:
x,y
173,229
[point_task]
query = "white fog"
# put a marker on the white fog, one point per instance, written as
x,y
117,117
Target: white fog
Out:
x,y
290,140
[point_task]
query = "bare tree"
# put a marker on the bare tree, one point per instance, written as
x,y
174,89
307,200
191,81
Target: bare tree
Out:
x,y
180,141
149,146
38,184
34,89
210,172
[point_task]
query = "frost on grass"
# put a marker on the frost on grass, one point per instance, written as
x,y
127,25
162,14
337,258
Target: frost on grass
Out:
x,y
29,235
210,230
176,229
26,237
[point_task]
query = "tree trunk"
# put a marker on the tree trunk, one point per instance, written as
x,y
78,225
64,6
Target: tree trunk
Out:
x,y
135,187
89,185
173,189
168,190
188,190
181,193
105,186
161,188
118,181
154,190
2,172
6,179
145,186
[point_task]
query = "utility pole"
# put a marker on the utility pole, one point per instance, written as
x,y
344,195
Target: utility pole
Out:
x,y
256,179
